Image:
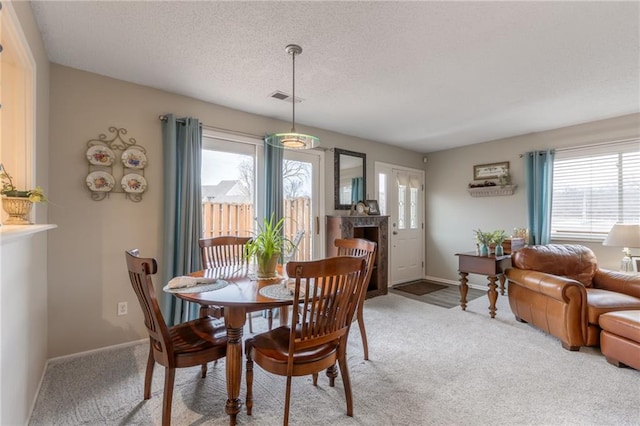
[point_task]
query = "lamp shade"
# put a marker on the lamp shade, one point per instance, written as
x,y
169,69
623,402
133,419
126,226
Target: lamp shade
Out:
x,y
292,141
623,235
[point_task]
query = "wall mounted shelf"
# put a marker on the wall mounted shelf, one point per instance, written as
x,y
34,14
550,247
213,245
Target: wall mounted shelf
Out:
x,y
492,191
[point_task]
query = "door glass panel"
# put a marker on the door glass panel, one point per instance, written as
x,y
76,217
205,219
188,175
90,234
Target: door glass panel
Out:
x,y
301,189
228,188
297,189
402,195
382,193
413,208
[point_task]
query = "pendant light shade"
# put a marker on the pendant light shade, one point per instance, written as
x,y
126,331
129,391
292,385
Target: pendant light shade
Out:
x,y
293,139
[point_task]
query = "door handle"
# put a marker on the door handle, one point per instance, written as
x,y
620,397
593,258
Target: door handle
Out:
x,y
395,232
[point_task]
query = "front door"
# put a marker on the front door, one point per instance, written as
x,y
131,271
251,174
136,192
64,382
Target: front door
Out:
x,y
401,196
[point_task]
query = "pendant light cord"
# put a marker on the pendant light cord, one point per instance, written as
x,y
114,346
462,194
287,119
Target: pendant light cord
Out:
x,y
293,122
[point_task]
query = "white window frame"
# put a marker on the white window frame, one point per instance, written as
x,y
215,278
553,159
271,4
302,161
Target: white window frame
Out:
x,y
594,234
214,139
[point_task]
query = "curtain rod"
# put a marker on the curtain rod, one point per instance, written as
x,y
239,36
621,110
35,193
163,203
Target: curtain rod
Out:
x,y
593,145
205,126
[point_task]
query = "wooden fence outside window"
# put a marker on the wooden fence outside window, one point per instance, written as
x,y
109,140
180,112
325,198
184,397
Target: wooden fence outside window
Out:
x,y
239,219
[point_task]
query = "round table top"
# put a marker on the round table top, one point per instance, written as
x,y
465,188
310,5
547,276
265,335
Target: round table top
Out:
x,y
243,289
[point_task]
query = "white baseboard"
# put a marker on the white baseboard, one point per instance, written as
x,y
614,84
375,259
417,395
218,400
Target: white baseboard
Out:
x,y
106,348
71,356
455,282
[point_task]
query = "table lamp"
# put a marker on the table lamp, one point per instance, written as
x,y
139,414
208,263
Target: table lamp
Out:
x,y
625,235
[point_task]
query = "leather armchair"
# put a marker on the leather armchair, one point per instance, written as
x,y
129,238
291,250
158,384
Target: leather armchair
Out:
x,y
560,290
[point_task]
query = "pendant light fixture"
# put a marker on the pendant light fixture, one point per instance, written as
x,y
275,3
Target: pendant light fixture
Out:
x,y
293,140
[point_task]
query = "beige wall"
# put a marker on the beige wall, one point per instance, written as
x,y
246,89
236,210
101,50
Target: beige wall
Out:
x,y
452,213
87,276
23,277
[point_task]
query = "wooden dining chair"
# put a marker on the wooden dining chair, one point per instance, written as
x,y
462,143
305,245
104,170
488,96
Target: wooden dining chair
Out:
x,y
224,251
189,344
359,247
328,292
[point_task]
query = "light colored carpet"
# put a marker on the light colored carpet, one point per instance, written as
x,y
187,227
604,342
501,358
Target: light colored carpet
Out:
x,y
429,366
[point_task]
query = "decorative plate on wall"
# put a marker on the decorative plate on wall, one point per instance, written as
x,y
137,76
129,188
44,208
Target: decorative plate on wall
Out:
x,y
134,159
100,181
133,183
100,155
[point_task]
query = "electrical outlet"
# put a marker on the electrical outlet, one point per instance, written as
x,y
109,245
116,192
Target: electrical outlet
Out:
x,y
122,308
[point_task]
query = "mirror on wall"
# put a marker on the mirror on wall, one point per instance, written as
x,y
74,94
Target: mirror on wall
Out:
x,y
349,175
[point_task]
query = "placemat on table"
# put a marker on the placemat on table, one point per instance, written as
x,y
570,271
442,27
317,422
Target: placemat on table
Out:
x,y
280,291
198,288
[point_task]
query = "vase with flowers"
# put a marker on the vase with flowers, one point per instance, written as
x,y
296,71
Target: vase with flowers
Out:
x,y
484,240
498,238
17,203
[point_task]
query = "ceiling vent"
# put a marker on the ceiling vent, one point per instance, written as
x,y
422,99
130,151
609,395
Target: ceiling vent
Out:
x,y
284,97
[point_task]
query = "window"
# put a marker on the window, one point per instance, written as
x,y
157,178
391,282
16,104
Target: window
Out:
x,y
229,170
594,188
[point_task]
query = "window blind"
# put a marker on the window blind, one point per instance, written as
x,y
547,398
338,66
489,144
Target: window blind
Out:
x,y
594,188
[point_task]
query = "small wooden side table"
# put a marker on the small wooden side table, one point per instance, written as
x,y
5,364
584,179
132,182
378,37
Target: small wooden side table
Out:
x,y
491,266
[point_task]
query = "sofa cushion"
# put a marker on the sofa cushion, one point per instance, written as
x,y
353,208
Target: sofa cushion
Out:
x,y
600,302
572,261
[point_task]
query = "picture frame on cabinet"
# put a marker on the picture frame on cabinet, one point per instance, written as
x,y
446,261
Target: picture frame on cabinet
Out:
x,y
374,209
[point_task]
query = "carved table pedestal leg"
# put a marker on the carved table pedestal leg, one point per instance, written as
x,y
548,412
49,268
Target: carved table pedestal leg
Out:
x,y
234,318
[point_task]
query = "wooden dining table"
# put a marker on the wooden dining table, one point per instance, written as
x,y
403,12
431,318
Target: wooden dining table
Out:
x,y
240,296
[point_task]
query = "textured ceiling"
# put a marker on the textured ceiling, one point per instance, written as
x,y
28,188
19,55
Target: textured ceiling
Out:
x,y
422,75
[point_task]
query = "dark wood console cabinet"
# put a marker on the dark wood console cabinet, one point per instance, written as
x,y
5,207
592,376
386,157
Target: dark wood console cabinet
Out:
x,y
372,228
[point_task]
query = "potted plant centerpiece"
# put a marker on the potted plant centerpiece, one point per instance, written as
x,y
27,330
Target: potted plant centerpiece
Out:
x,y
18,203
266,247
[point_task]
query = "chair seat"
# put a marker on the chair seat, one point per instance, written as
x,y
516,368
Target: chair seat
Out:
x,y
602,301
274,346
198,335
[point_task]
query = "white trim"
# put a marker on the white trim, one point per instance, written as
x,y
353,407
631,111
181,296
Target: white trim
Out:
x,y
27,63
398,167
605,144
59,359
217,134
10,233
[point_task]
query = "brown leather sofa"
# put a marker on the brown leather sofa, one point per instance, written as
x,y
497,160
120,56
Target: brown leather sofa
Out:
x,y
560,289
